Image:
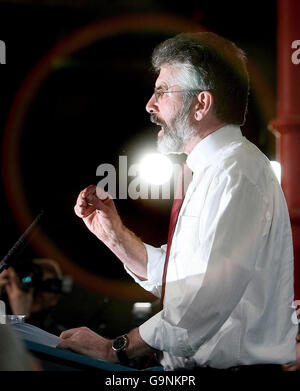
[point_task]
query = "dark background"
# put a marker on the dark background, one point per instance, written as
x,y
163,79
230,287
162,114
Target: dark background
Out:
x,y
90,110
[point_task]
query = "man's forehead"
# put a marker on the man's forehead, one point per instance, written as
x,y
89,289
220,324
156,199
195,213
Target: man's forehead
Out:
x,y
167,77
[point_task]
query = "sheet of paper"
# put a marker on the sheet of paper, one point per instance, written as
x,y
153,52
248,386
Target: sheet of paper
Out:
x,y
2,308
35,334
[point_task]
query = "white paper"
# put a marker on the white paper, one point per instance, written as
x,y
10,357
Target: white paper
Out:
x,y
2,308
35,334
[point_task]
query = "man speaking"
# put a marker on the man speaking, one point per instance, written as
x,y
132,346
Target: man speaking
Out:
x,y
225,278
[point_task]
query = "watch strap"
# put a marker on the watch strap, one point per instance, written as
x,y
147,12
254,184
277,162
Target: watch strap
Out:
x,y
119,346
122,357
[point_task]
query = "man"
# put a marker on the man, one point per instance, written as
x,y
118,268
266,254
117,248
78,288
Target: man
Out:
x,y
229,283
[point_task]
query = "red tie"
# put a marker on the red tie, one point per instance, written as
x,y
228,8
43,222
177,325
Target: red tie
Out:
x,y
179,197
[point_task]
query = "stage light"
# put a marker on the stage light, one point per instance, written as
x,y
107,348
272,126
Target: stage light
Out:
x,y
277,169
155,169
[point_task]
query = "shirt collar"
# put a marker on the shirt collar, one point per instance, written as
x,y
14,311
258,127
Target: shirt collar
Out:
x,y
212,144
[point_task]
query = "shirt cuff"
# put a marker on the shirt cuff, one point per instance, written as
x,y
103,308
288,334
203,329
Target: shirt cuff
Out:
x,y
155,266
161,335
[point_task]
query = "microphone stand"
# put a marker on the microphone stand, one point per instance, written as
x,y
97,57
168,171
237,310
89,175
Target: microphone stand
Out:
x,y
19,245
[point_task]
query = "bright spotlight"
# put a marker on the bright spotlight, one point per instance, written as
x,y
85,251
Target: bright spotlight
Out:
x,y
155,169
277,169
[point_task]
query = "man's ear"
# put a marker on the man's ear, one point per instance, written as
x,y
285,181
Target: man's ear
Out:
x,y
203,105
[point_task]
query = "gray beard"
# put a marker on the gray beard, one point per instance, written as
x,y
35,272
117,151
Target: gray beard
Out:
x,y
177,135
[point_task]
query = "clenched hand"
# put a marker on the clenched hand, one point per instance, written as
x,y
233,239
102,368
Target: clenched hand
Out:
x,y
99,213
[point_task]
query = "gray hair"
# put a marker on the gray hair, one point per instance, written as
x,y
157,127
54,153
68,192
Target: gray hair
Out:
x,y
209,62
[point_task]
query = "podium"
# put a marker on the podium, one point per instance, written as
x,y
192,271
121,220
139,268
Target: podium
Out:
x,y
43,346
56,359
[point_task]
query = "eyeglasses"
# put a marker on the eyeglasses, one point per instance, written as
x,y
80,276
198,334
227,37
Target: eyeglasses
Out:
x,y
159,93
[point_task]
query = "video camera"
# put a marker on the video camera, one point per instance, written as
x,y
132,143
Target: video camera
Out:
x,y
31,275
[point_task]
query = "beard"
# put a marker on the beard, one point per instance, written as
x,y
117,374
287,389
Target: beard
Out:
x,y
177,134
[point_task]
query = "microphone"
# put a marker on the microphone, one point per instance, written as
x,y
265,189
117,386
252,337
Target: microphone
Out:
x,y
20,244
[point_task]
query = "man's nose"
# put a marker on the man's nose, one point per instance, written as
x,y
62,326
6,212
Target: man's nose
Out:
x,y
151,106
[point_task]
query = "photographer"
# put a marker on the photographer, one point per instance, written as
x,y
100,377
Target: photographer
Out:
x,y
33,290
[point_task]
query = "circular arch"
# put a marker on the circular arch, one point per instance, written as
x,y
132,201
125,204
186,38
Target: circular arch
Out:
x,y
11,141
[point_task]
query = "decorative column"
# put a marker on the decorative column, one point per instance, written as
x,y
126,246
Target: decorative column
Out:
x,y
286,126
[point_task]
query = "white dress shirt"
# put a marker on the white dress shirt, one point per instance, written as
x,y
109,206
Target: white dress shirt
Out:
x,y
229,286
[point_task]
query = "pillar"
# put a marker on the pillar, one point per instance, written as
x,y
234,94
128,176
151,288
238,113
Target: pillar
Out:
x,y
286,126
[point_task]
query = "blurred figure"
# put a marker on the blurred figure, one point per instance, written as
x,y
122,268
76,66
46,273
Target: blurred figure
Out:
x,y
34,289
294,366
13,355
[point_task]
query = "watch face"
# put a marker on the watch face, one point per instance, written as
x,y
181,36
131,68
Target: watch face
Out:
x,y
120,343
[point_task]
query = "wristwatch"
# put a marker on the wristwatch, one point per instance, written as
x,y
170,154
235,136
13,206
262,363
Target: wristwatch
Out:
x,y
119,346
